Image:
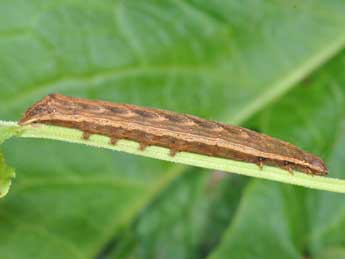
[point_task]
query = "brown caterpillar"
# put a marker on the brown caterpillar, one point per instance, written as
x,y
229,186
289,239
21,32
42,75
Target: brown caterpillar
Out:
x,y
178,132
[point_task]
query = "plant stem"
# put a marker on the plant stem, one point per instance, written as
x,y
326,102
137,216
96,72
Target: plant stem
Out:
x,y
215,163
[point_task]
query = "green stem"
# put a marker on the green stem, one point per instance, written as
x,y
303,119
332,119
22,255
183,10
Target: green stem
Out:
x,y
215,163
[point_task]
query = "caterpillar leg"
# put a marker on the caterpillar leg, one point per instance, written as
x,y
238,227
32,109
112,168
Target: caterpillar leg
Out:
x,y
172,152
287,166
142,146
113,141
260,162
86,135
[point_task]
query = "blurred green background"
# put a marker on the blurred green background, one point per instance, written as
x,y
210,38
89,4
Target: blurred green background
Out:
x,y
275,66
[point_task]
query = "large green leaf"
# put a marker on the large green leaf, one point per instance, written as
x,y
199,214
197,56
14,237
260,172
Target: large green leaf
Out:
x,y
217,59
186,220
291,222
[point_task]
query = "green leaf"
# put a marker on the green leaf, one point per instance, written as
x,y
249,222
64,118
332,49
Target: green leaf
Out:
x,y
202,207
6,173
336,253
271,227
221,60
6,176
297,222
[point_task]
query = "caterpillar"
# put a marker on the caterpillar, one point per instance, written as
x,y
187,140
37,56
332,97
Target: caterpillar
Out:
x,y
175,131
